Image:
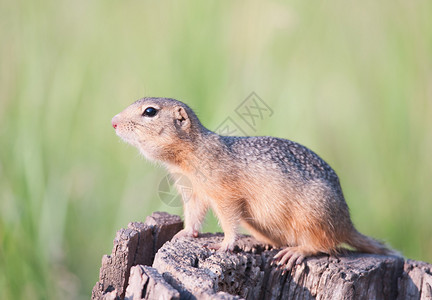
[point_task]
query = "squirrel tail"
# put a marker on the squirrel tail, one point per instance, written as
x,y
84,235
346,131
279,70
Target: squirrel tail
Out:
x,y
367,244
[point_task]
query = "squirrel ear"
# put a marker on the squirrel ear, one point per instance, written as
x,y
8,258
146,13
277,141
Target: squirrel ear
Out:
x,y
181,118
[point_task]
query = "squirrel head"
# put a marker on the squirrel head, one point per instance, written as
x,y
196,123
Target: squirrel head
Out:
x,y
161,128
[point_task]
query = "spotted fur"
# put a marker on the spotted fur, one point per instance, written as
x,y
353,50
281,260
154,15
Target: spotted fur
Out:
x,y
279,190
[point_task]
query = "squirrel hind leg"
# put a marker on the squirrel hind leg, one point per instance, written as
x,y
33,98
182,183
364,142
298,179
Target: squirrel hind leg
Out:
x,y
260,235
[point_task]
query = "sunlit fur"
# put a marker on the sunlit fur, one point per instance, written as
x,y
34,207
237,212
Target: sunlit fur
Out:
x,y
280,191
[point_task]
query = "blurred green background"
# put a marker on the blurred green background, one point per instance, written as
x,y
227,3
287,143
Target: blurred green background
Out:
x,y
351,80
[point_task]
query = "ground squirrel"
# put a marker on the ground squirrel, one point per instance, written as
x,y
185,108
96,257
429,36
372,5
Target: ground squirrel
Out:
x,y
284,194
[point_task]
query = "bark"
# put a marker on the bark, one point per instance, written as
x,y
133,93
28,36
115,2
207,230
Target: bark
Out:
x,y
135,245
143,265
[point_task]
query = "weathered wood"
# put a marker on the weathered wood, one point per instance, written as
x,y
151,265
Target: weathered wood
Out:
x,y
186,269
144,278
416,281
135,245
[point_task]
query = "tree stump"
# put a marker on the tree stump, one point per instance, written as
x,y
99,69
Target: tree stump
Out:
x,y
145,264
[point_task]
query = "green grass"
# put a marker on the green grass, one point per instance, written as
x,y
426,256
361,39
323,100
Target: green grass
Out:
x,y
351,80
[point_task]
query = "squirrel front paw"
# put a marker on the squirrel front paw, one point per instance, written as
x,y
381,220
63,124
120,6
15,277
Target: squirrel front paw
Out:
x,y
186,233
220,247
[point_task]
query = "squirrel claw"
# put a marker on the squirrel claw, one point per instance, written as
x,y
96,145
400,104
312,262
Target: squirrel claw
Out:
x,y
288,257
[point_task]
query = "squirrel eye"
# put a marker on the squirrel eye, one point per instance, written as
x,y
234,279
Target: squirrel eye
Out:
x,y
150,112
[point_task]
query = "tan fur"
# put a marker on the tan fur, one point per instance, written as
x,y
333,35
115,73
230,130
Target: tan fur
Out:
x,y
284,194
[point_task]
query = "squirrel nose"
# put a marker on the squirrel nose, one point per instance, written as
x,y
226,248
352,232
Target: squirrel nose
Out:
x,y
114,122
